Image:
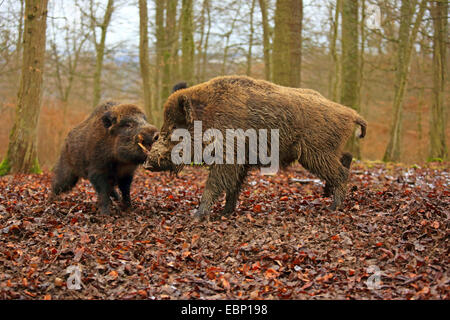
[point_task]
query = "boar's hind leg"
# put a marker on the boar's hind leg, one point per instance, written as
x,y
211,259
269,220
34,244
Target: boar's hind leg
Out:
x,y
103,187
214,187
346,160
330,169
233,188
124,186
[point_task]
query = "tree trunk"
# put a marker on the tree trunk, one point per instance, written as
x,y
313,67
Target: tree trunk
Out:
x,y
287,46
160,43
361,53
205,46
168,54
266,39
144,58
438,117
405,47
349,71
199,55
187,42
100,52
334,75
250,40
21,156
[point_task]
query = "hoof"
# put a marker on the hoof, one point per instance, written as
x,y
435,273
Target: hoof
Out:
x,y
126,206
105,211
200,214
333,207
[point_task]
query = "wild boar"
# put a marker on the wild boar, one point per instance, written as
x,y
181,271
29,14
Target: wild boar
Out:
x,y
311,129
106,148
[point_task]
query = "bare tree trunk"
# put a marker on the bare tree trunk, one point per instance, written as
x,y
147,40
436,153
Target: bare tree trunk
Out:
x,y
21,156
160,43
361,52
168,54
250,41
205,47
334,75
144,58
187,43
100,50
287,45
198,63
266,40
349,71
438,117
405,47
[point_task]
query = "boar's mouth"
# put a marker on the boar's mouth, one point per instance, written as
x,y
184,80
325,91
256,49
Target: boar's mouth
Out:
x,y
161,165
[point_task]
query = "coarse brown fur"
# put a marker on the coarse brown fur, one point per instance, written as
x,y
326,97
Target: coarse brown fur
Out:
x,y
104,149
312,130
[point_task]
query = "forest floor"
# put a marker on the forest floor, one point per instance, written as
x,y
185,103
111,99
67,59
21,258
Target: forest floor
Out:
x,y
390,240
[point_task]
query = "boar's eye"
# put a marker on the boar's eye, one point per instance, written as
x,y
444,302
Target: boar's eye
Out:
x,y
127,124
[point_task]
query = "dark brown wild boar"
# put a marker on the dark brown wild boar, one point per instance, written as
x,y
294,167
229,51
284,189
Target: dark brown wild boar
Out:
x,y
106,148
311,129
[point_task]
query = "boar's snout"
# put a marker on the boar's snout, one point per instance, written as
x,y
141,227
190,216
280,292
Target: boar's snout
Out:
x,y
159,158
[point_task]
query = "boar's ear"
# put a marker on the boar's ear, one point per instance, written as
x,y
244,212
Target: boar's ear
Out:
x,y
185,106
109,118
179,86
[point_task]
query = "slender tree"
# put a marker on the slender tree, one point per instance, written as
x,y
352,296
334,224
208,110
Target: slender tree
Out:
x,y
100,46
160,45
21,156
187,42
349,69
334,74
206,42
287,46
438,117
266,39
144,58
406,39
250,40
171,42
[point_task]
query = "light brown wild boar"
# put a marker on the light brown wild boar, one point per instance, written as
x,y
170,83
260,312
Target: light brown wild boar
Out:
x,y
106,149
312,130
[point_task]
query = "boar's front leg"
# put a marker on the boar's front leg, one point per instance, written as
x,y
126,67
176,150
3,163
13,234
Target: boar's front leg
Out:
x,y
64,179
124,186
103,186
213,189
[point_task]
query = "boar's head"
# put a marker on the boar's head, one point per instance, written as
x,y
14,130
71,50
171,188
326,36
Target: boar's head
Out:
x,y
178,114
130,132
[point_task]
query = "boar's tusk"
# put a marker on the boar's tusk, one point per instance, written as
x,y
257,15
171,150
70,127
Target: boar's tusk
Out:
x,y
143,148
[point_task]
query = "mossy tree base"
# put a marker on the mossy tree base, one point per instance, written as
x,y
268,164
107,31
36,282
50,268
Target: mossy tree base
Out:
x,y
4,167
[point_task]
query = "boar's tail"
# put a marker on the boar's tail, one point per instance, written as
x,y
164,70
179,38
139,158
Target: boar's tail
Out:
x,y
363,123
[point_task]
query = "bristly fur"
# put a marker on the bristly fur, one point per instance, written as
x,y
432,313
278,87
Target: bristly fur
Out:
x,y
312,130
105,149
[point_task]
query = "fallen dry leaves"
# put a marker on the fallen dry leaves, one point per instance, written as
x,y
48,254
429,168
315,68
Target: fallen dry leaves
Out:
x,y
282,242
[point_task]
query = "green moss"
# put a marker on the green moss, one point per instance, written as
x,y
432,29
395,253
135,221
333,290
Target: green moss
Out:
x,y
36,168
4,167
435,160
